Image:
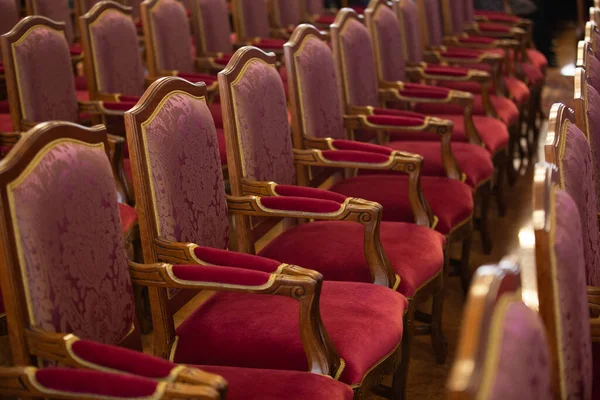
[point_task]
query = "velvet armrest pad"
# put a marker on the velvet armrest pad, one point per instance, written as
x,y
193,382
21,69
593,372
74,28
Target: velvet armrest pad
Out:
x,y
399,113
424,93
394,120
491,27
462,53
220,275
121,359
446,71
129,99
300,204
477,40
101,384
342,144
214,256
308,192
355,156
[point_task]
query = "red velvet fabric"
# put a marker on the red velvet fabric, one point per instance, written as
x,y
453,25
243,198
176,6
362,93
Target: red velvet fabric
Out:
x,y
394,120
80,83
474,161
401,113
492,27
123,360
5,123
537,58
118,105
534,75
214,256
493,132
4,107
497,16
325,19
220,275
342,144
302,191
302,204
195,77
446,71
506,109
222,146
336,250
217,113
268,43
424,93
477,40
76,49
259,331
128,216
355,156
461,53
95,383
450,200
261,384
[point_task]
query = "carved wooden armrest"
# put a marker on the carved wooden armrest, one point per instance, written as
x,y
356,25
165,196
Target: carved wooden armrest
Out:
x,y
361,211
104,107
69,350
399,91
212,84
448,73
305,289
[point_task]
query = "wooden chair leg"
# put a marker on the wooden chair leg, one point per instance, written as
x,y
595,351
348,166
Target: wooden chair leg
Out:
x,y
485,197
400,378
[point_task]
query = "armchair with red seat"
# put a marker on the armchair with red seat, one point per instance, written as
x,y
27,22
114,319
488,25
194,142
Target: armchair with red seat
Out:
x,y
251,24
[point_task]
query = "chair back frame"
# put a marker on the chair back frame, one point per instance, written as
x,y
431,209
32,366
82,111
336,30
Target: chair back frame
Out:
x,y
199,31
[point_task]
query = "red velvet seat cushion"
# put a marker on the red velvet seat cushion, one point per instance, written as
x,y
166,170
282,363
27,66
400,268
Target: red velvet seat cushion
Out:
x,y
258,331
260,384
533,74
447,71
517,89
537,58
506,109
476,40
128,217
80,83
4,107
493,27
5,123
76,49
217,114
474,161
450,200
118,105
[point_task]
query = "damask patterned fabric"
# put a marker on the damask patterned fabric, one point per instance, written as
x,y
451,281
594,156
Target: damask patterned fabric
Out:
x,y
523,366
359,65
116,54
457,15
215,26
72,250
435,24
185,169
320,95
593,117
593,72
171,35
468,11
262,122
391,47
412,33
314,7
56,10
46,82
9,16
289,13
254,16
574,329
578,178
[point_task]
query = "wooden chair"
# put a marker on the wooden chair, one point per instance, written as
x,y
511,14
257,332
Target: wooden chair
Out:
x,y
262,162
9,16
561,277
251,24
284,16
503,352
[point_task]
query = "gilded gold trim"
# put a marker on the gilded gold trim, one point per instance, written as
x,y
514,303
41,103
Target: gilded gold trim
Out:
x,y
339,371
268,284
305,213
10,187
144,126
173,349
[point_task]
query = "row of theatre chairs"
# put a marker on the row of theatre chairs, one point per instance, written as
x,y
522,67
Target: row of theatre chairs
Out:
x,y
378,247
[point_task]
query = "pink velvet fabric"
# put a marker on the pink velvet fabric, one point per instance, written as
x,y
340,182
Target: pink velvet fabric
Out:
x,y
412,31
215,27
468,11
474,161
593,72
577,170
300,204
95,384
234,259
254,17
476,40
122,360
289,13
9,16
262,122
359,65
435,24
171,33
57,11
185,167
260,384
220,275
415,252
570,277
211,334
523,369
74,257
593,117
320,92
47,88
116,57
450,200
390,45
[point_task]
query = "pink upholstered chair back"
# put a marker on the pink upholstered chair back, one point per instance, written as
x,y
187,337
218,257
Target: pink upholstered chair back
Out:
x,y
317,105
167,28
135,8
454,16
412,31
65,242
353,51
38,63
56,10
113,52
179,163
252,93
468,12
502,339
434,21
593,72
386,36
211,26
252,18
314,7
288,12
9,15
